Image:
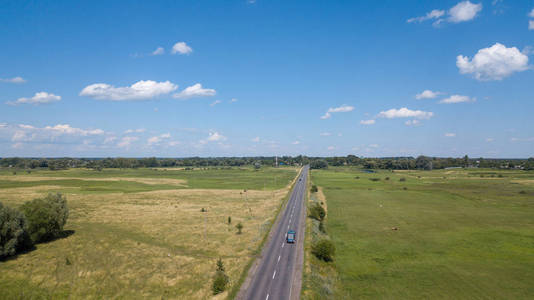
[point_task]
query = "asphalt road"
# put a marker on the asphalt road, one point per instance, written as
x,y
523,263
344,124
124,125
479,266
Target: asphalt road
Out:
x,y
278,266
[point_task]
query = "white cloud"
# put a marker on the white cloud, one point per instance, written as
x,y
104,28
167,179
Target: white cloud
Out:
x,y
464,11
141,90
256,139
17,79
181,48
405,113
296,142
215,137
461,12
367,122
493,63
528,139
215,102
457,99
157,139
450,134
38,98
195,90
330,148
325,134
139,130
427,94
531,25
126,141
489,140
158,51
531,14
67,129
412,122
434,14
342,108
373,146
47,134
233,100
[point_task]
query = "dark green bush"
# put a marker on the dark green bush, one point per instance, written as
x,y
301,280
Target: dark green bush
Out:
x,y
321,227
402,179
317,212
220,280
46,216
374,179
13,235
314,189
324,250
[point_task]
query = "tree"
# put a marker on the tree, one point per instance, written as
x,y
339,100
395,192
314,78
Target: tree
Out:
x,y
46,216
324,250
257,165
239,227
220,280
317,212
314,189
319,164
423,162
229,220
13,234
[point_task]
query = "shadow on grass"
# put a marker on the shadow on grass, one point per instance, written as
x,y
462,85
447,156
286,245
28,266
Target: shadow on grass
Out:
x,y
63,234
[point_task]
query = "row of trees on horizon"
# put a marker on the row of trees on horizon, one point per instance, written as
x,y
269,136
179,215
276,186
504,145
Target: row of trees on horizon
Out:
x,y
393,163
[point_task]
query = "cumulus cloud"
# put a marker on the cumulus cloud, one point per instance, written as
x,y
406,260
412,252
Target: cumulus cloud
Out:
x,y
434,14
427,94
139,130
405,113
215,103
126,141
49,134
38,98
141,90
367,122
457,99
531,14
464,11
461,12
195,90
215,137
412,122
181,48
531,25
330,148
256,139
450,134
493,63
233,100
489,140
325,134
17,79
295,143
158,51
342,108
157,139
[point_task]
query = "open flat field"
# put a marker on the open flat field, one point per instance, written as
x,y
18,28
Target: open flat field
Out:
x,y
141,233
460,234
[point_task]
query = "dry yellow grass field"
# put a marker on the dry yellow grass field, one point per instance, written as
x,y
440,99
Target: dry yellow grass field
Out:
x,y
155,244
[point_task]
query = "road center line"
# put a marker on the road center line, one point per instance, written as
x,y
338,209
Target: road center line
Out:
x,y
279,257
274,274
266,298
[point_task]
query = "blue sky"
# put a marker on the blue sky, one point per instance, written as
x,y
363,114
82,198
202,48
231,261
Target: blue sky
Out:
x,y
221,78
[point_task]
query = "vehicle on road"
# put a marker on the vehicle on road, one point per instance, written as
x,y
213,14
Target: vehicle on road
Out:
x,y
291,236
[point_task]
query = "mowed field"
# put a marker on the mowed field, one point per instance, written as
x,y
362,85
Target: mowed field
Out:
x,y
141,233
460,234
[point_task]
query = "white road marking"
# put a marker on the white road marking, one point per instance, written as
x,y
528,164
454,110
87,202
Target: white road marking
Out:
x,y
283,245
279,257
266,298
274,274
288,226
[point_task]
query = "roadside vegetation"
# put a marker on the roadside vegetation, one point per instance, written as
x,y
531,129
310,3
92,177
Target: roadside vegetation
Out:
x,y
142,232
445,234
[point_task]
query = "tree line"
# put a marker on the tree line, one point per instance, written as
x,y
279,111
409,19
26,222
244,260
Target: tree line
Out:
x,y
393,163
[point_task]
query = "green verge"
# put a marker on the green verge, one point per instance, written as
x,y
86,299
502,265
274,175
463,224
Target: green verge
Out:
x,y
236,287
320,279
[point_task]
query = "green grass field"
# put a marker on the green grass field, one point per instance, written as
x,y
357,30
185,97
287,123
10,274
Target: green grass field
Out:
x,y
460,234
141,233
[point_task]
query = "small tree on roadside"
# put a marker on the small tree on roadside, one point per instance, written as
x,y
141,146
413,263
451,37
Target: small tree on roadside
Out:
x,y
317,212
314,189
324,250
220,280
239,227
229,220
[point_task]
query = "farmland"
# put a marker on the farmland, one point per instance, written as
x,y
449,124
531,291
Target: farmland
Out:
x,y
140,233
446,234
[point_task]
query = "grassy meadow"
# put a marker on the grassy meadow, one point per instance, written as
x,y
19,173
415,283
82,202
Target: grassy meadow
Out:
x,y
443,234
141,233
